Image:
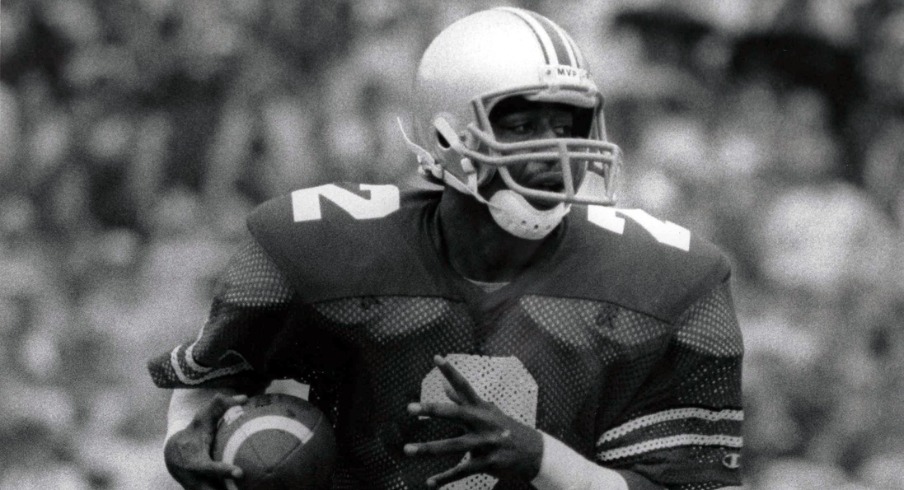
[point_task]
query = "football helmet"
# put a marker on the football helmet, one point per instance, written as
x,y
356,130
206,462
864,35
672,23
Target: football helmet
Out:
x,y
470,67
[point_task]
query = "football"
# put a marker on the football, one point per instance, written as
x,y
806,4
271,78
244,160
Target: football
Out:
x,y
279,441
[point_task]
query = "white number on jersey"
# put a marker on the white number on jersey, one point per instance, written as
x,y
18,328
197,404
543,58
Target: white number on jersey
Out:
x,y
384,200
501,380
665,232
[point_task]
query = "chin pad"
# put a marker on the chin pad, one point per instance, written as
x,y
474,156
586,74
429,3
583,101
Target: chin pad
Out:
x,y
514,214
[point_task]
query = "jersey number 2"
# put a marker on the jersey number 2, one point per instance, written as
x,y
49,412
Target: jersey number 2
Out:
x,y
384,200
665,232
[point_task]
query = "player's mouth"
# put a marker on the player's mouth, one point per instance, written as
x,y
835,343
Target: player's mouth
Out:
x,y
546,181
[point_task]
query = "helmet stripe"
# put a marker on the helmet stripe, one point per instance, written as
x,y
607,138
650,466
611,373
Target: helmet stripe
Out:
x,y
569,46
578,55
559,40
547,46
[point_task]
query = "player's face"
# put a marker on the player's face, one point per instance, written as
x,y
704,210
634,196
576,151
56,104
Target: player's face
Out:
x,y
525,121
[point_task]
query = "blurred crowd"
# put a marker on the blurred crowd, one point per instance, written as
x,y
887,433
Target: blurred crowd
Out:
x,y
135,135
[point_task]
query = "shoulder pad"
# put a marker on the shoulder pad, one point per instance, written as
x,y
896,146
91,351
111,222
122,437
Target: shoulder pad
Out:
x,y
628,257
348,240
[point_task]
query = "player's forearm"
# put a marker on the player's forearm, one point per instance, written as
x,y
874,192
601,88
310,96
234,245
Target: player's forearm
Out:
x,y
564,468
185,403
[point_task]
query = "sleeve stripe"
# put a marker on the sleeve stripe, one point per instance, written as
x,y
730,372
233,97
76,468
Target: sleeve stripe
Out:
x,y
669,443
668,416
190,360
188,380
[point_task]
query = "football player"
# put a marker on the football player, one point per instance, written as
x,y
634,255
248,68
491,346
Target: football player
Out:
x,y
511,330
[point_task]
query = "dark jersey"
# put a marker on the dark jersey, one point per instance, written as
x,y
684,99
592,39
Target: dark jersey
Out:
x,y
623,343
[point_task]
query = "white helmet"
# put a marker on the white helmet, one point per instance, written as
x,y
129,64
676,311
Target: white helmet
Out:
x,y
471,66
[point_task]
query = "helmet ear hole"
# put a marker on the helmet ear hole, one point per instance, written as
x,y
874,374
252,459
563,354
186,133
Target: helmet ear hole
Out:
x,y
583,123
443,142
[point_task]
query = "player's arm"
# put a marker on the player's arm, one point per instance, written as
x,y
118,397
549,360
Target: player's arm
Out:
x,y
224,363
249,310
503,447
563,467
686,422
683,429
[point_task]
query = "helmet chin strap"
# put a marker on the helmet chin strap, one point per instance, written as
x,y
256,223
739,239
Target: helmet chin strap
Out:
x,y
511,211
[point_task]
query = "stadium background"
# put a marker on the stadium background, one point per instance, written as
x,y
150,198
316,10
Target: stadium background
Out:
x,y
136,134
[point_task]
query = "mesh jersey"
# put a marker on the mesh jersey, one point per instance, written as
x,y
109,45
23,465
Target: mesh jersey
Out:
x,y
624,347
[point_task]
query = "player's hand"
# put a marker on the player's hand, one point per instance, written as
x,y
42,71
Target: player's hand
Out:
x,y
187,452
498,444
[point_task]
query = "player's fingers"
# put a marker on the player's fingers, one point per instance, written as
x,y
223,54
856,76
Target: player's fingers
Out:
x,y
452,394
467,467
448,411
460,444
195,482
458,382
219,470
213,410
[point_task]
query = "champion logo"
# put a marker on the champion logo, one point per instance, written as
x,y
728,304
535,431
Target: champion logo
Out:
x,y
732,461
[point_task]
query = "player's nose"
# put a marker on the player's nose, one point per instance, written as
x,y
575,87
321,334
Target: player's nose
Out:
x,y
546,130
540,166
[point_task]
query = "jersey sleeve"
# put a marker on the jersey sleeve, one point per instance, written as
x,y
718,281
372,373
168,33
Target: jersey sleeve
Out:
x,y
250,308
683,430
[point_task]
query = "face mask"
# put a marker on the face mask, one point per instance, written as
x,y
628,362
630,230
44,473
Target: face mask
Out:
x,y
511,211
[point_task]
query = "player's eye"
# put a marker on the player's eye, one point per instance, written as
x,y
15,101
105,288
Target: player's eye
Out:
x,y
563,130
517,124
523,129
562,124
